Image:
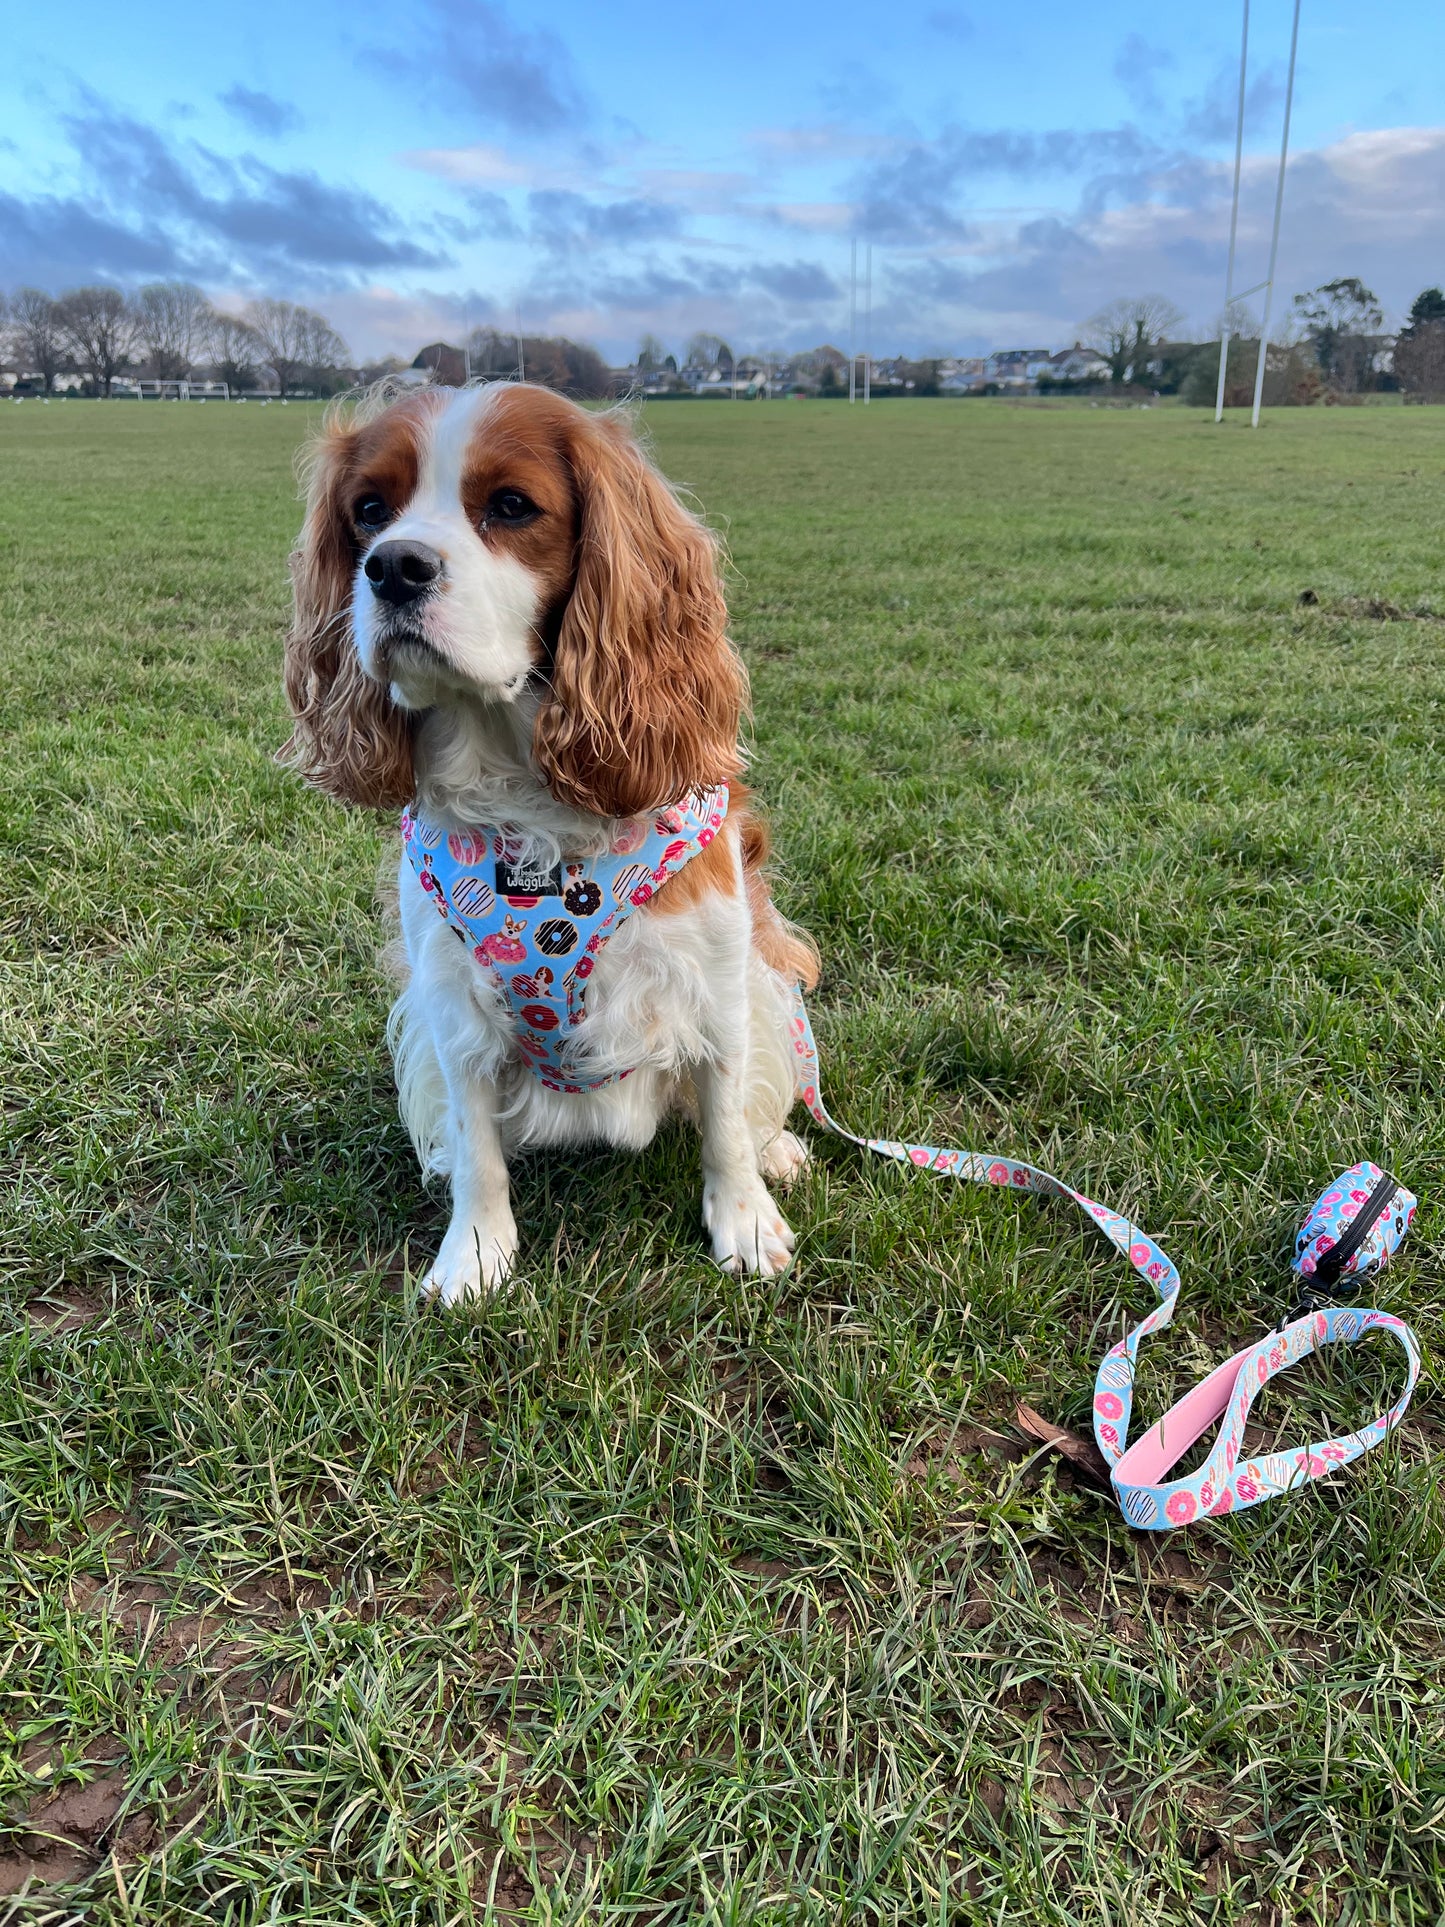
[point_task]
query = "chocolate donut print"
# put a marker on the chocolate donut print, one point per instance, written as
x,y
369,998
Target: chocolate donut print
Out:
x,y
556,937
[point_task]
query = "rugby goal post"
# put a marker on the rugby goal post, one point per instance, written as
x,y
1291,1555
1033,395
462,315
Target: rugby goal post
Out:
x,y
1267,285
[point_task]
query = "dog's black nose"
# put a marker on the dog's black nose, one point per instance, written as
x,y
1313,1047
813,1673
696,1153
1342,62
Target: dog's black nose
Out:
x,y
401,571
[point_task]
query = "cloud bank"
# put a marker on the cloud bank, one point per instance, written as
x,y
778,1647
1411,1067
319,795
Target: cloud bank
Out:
x,y
981,235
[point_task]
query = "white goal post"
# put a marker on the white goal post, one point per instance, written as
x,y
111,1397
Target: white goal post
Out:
x,y
182,390
1267,285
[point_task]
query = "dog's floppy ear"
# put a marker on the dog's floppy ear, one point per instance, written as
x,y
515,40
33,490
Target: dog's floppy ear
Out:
x,y
647,692
350,739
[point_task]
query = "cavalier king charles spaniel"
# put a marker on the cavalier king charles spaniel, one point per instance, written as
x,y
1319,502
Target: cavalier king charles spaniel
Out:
x,y
504,616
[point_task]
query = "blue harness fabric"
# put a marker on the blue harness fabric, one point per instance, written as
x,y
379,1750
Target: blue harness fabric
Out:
x,y
539,932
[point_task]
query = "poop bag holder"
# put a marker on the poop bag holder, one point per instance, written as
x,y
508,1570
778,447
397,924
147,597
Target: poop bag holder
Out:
x,y
1353,1228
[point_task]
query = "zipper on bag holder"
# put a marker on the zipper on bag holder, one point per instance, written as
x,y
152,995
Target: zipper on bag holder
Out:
x,y
1330,1264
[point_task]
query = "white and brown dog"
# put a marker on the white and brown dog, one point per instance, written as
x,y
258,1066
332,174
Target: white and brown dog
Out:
x,y
505,615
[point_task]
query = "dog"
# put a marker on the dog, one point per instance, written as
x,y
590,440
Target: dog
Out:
x,y
507,623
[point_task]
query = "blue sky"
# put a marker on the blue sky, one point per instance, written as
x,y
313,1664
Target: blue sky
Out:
x,y
616,169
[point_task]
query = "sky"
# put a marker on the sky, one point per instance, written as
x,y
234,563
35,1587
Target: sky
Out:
x,y
609,170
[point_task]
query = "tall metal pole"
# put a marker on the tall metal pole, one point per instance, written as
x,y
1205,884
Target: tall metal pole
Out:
x,y
1233,218
1278,209
868,324
853,328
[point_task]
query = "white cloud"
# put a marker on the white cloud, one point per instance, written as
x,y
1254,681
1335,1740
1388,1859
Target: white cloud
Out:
x,y
821,217
483,165
826,141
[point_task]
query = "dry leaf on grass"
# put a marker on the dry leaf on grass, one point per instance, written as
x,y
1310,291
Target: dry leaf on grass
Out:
x,y
1082,1454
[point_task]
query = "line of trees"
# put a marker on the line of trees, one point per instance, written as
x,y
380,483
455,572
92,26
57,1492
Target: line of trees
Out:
x,y
169,331
1332,347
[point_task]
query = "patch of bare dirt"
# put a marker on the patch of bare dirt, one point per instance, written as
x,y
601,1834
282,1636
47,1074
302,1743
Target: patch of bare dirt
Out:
x,y
66,1831
57,1312
1365,608
947,1455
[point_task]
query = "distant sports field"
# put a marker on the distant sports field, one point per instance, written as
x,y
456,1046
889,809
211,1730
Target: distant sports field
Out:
x,y
648,1594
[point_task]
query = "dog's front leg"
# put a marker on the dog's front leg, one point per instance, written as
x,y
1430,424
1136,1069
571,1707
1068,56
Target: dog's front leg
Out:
x,y
481,1240
747,1228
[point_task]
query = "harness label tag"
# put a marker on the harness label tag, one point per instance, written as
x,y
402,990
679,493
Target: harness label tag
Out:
x,y
515,881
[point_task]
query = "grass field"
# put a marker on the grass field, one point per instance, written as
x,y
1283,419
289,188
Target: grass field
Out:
x,y
649,1594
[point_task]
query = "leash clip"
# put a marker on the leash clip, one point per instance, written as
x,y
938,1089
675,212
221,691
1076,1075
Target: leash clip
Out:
x,y
1307,1302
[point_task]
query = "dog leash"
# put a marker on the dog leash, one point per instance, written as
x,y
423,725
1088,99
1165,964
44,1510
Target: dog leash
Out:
x,y
1231,1479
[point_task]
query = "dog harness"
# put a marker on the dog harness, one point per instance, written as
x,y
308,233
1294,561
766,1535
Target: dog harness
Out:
x,y
539,931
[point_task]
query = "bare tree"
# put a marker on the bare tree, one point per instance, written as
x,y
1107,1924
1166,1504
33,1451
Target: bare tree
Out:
x,y
294,342
280,327
37,333
174,320
587,377
709,351
552,362
234,348
493,355
1239,320
1126,332
99,327
651,353
323,353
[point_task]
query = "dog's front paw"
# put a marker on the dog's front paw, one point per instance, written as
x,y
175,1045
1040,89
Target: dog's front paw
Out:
x,y
748,1231
784,1159
473,1260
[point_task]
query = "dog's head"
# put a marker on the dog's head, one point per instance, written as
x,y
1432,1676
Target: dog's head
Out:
x,y
494,542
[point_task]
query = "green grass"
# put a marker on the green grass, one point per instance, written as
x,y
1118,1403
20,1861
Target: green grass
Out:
x,y
649,1594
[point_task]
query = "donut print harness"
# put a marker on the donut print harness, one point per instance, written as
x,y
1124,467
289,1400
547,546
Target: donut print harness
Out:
x,y
539,932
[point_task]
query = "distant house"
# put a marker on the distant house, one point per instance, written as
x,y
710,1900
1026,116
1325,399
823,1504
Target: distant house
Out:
x,y
962,374
1077,364
1017,367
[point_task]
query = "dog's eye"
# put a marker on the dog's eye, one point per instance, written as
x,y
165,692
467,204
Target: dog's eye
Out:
x,y
371,512
511,505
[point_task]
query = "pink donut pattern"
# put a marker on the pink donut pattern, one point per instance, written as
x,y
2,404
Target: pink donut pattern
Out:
x,y
1360,1219
598,893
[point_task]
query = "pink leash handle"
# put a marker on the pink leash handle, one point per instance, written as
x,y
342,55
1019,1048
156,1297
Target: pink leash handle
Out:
x,y
1230,1480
